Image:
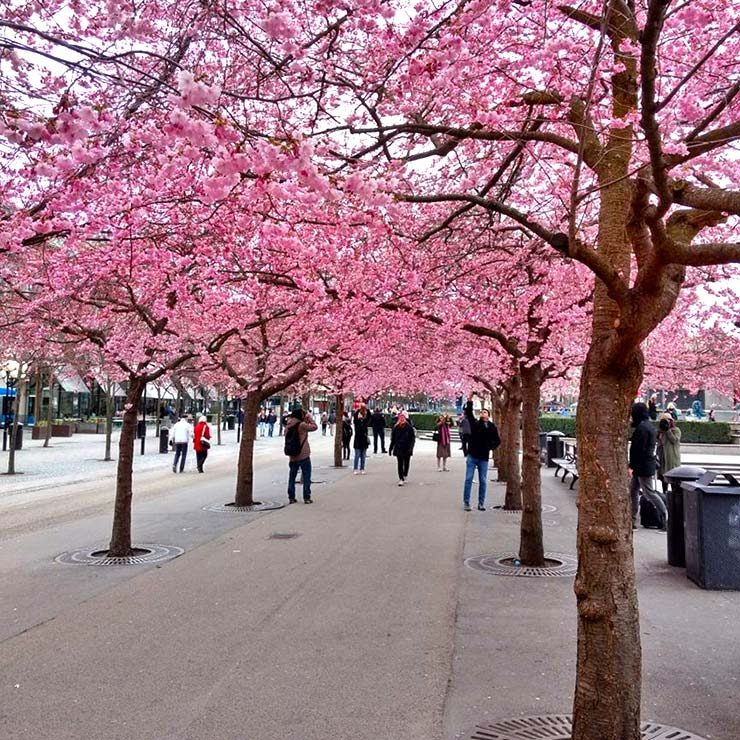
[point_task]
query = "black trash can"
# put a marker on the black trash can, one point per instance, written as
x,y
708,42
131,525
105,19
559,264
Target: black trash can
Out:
x,y
676,539
712,527
140,429
231,422
555,447
164,440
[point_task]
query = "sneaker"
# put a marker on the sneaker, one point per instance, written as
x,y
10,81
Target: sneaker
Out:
x,y
174,469
481,507
355,472
307,501
400,483
363,472
292,501
467,507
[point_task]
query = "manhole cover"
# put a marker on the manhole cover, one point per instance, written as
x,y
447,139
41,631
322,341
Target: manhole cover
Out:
x,y
559,727
284,535
142,555
504,564
257,506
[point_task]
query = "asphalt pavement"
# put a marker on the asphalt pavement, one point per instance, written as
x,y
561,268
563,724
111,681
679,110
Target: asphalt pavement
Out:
x,y
352,618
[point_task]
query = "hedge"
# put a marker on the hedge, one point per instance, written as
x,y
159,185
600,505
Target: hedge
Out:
x,y
692,432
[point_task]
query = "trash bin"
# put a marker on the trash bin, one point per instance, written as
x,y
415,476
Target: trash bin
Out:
x,y
164,440
676,538
712,529
543,447
555,447
140,429
230,421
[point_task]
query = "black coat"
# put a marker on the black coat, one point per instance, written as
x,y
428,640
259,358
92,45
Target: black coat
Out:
x,y
362,439
377,421
483,436
642,450
403,439
346,431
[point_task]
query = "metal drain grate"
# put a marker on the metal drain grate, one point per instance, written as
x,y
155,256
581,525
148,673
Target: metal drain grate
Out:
x,y
259,506
284,535
143,555
546,509
559,727
502,564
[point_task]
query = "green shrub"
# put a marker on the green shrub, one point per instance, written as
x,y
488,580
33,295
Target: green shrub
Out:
x,y
564,424
705,432
692,432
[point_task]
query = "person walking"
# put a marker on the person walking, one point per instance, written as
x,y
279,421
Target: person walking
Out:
x,y
324,423
271,419
444,442
377,422
262,422
346,435
642,465
182,433
403,439
464,425
201,441
484,439
332,422
362,439
669,448
297,427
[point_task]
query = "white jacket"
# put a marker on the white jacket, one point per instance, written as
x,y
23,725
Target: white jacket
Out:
x,y
182,432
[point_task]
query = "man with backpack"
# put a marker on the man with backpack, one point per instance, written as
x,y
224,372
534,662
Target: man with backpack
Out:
x,y
298,425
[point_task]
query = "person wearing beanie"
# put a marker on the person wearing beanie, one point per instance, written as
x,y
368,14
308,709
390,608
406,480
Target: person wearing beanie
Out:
x,y
403,439
201,441
298,425
642,464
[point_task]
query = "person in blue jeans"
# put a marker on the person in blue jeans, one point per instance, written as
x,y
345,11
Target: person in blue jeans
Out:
x,y
302,460
483,440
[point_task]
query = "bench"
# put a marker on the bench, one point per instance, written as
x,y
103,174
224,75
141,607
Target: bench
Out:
x,y
568,465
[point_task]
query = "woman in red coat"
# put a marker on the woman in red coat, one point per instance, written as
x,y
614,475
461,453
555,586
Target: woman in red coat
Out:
x,y
201,441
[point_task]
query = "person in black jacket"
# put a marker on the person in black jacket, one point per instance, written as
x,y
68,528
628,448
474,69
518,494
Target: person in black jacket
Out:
x,y
403,439
377,422
483,440
642,464
346,435
362,438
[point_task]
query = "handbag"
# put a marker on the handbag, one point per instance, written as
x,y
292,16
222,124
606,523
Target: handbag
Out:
x,y
205,443
435,436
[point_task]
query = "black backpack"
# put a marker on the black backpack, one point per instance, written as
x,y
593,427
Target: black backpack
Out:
x,y
293,442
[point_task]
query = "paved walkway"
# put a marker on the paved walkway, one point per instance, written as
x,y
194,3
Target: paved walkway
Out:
x,y
366,624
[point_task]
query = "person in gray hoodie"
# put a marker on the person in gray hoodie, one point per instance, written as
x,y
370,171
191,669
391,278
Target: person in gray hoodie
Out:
x,y
299,423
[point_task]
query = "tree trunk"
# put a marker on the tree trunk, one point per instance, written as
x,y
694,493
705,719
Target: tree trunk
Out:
x,y
120,543
338,427
37,400
49,411
499,459
511,418
245,470
607,698
108,421
531,547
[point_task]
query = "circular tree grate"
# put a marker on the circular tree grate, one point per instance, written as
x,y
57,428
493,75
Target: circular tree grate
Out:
x,y
142,555
546,509
559,727
503,564
257,506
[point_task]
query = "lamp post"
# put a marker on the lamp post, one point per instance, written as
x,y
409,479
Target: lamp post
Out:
x,y
6,403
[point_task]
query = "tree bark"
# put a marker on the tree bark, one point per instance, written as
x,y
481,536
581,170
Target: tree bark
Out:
x,y
338,428
531,546
511,418
108,421
49,411
120,543
499,458
245,470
